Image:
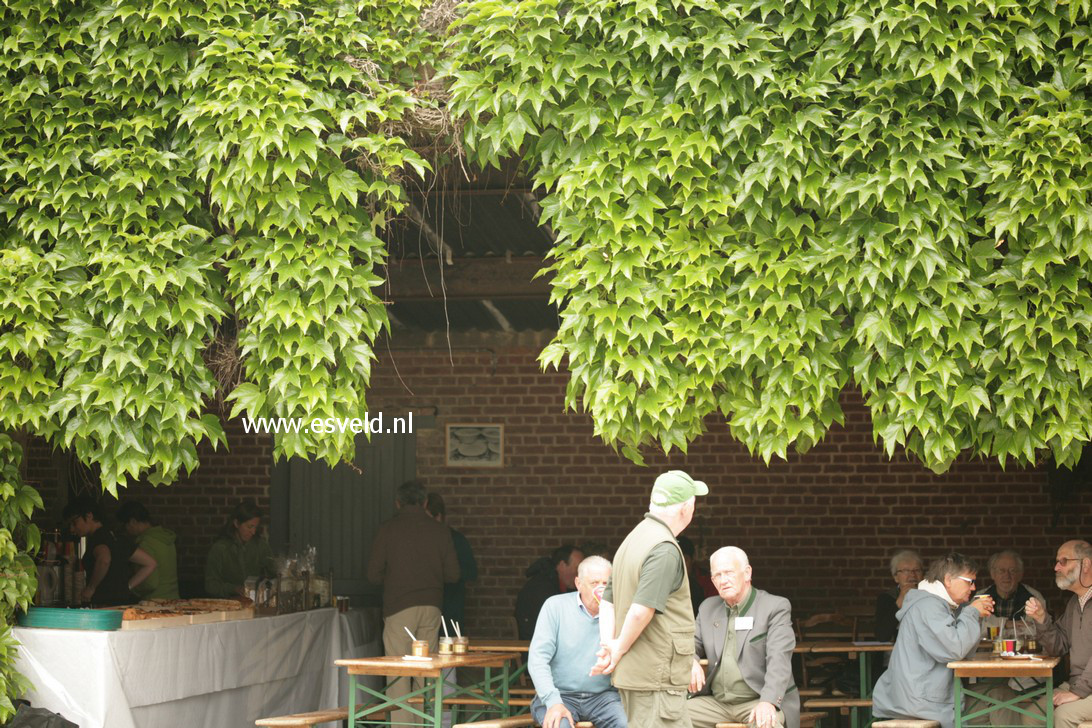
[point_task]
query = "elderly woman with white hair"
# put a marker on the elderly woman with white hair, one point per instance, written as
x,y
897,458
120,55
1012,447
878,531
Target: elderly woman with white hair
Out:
x,y
907,569
936,626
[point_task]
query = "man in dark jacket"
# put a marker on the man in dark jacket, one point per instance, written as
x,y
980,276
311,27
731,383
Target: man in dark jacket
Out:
x,y
555,574
412,556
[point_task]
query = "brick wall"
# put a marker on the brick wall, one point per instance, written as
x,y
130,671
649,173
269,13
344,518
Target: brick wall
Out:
x,y
818,528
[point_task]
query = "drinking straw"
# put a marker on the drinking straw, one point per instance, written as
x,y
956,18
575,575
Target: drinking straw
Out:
x,y
444,622
458,632
410,634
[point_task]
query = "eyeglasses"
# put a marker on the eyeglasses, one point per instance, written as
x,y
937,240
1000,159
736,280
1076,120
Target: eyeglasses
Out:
x,y
967,579
1063,561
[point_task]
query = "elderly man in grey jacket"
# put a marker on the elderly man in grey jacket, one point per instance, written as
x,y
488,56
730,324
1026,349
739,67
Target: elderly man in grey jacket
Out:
x,y
747,636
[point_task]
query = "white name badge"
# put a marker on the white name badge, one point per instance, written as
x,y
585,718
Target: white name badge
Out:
x,y
744,623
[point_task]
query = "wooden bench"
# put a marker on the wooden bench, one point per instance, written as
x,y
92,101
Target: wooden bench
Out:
x,y
516,721
845,706
810,720
916,723
304,720
478,702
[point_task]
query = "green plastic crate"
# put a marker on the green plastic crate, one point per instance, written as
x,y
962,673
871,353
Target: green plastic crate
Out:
x,y
52,618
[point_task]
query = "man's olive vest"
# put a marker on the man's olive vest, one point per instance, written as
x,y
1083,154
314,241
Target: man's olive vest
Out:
x,y
660,659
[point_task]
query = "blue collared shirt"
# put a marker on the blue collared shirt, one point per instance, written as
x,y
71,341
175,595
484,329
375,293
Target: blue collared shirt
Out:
x,y
563,650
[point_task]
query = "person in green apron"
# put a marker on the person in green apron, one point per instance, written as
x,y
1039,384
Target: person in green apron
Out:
x,y
239,552
162,581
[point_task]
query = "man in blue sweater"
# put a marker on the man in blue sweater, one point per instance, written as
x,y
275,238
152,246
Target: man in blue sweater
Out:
x,y
563,651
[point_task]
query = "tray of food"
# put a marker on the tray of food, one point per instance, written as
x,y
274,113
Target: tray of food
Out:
x,y
161,613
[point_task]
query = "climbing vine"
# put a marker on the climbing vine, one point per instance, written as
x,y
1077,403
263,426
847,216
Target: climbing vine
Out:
x,y
758,204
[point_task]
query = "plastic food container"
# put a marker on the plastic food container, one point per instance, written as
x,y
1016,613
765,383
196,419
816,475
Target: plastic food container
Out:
x,y
54,618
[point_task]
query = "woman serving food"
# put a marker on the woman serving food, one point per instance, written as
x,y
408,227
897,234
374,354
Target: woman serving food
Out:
x,y
238,553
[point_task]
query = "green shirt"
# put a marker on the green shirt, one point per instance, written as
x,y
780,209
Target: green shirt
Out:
x,y
163,582
729,687
231,561
661,573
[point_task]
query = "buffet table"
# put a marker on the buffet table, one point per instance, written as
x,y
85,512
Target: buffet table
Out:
x,y
218,675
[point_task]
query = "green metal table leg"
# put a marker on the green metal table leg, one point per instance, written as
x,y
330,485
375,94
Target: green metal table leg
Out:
x,y
958,703
352,700
438,704
505,678
1049,721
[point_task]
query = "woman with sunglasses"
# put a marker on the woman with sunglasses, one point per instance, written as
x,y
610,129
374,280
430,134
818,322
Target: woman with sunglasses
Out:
x,y
936,626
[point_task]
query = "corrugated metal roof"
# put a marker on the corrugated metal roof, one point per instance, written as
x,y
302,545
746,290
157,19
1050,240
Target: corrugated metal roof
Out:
x,y
472,224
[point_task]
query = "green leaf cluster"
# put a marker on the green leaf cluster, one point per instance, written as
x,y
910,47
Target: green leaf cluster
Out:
x,y
758,203
19,541
170,171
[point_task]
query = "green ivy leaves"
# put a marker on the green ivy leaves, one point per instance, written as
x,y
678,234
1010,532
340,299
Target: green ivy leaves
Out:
x,y
19,541
756,204
171,172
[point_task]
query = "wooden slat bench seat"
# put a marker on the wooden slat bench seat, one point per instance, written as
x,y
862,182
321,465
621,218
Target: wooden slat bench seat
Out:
x,y
516,721
316,717
915,723
810,720
842,704
514,702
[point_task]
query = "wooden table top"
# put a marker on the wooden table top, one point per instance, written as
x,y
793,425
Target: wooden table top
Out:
x,y
846,647
397,666
995,666
499,645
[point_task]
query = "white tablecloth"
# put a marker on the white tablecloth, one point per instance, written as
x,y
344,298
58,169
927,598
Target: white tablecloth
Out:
x,y
223,675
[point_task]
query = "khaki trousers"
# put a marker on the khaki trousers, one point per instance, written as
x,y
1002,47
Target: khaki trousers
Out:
x,y
706,711
655,708
424,622
1069,715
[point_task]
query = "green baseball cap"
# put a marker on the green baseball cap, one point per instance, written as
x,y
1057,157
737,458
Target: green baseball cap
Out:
x,y
675,486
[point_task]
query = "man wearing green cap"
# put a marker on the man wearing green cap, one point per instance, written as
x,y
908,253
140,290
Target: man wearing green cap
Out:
x,y
650,652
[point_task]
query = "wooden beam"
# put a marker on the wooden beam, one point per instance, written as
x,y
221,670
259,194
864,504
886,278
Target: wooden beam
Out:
x,y
466,278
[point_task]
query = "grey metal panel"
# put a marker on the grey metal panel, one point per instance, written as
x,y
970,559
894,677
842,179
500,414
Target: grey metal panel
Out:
x,y
338,510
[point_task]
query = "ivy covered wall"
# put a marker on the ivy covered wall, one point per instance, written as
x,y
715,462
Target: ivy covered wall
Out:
x,y
758,203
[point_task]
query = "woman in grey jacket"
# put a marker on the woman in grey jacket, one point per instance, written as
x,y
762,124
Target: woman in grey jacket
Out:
x,y
936,626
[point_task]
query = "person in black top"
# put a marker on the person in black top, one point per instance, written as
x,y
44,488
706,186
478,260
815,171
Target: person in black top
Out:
x,y
555,574
907,569
107,557
697,592
454,609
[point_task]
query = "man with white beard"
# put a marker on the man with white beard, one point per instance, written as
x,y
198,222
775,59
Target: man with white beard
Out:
x,y
1069,634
